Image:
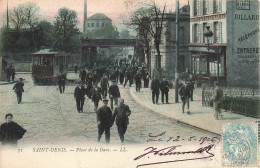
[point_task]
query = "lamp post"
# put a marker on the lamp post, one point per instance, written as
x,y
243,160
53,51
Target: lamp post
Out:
x,y
177,53
208,33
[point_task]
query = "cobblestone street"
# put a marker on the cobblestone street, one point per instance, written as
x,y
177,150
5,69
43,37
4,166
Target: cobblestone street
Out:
x,y
51,118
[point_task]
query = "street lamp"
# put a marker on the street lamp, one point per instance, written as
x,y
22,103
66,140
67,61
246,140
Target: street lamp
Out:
x,y
208,33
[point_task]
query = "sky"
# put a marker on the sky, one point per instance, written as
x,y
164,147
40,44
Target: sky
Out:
x,y
114,9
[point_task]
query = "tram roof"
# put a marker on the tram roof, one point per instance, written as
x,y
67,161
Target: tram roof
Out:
x,y
51,52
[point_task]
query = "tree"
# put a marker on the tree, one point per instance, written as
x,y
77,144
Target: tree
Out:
x,y
148,22
45,34
66,32
107,32
125,34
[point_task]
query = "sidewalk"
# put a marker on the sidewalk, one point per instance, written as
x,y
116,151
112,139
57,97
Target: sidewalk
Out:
x,y
201,117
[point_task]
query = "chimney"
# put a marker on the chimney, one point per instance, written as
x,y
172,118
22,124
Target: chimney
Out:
x,y
85,17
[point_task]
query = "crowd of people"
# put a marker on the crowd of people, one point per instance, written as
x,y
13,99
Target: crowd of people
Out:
x,y
100,83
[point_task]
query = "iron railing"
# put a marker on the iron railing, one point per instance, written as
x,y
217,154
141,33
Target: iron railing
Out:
x,y
244,101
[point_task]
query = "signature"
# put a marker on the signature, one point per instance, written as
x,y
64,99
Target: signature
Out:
x,y
170,151
161,138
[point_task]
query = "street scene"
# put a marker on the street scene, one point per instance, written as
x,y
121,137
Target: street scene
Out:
x,y
136,74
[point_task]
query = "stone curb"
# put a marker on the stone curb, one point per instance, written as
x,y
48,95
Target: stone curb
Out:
x,y
170,118
7,83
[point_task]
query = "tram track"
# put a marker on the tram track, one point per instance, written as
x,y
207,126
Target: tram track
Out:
x,y
68,123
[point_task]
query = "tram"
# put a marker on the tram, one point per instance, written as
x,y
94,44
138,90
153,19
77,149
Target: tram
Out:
x,y
48,64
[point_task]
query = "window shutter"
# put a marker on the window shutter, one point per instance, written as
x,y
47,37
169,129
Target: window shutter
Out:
x,y
192,34
219,5
220,32
198,7
201,32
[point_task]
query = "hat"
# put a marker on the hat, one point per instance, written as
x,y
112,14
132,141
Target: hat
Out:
x,y
9,114
20,78
105,100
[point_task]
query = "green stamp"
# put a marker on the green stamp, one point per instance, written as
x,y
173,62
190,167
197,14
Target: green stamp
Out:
x,y
240,144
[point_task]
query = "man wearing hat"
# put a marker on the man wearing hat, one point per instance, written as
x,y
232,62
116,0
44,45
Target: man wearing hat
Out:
x,y
104,121
104,85
114,94
155,87
138,81
121,114
95,93
185,96
218,94
79,95
18,89
61,82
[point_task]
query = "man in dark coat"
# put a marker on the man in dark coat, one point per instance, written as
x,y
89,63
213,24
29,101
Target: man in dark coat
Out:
x,y
61,83
128,77
104,121
79,95
218,95
165,90
155,87
83,75
121,114
10,132
121,76
138,81
13,73
8,73
76,68
89,82
18,89
114,94
96,96
146,78
104,84
191,86
185,96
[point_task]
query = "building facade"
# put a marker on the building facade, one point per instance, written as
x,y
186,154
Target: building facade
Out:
x,y
220,57
97,21
168,44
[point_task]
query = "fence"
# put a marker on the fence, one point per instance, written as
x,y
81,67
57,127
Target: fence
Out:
x,y
244,101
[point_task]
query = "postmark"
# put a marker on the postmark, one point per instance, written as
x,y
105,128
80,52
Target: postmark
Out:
x,y
240,145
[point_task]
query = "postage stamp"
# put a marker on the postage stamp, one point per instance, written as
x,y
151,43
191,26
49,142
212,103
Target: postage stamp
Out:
x,y
240,145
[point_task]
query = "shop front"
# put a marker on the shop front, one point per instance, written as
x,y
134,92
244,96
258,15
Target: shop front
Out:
x,y
208,64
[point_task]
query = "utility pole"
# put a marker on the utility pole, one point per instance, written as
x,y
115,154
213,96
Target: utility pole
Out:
x,y
7,16
177,53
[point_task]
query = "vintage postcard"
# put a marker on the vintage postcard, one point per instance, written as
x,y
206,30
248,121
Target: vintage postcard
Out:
x,y
129,83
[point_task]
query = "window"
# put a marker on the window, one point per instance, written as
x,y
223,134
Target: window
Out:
x,y
204,28
97,24
217,26
181,35
103,24
217,6
88,24
195,33
200,65
92,24
214,6
195,7
205,7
